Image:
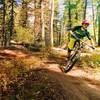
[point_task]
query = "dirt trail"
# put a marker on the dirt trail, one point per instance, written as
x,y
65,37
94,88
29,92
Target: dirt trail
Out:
x,y
78,84
79,89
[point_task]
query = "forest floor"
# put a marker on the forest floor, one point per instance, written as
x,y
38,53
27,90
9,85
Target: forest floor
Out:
x,y
44,79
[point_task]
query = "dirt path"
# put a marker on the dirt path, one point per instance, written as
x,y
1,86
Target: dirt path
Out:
x,y
78,88
76,71
78,83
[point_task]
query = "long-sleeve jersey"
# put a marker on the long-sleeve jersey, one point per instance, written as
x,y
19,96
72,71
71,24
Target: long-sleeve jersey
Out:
x,y
79,33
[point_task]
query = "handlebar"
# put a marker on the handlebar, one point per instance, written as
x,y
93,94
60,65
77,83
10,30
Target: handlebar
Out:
x,y
82,41
92,47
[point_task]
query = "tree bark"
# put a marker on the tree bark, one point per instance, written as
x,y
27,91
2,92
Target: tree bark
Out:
x,y
10,21
38,22
49,28
93,22
99,24
3,26
12,18
23,15
76,17
52,17
85,7
69,14
43,24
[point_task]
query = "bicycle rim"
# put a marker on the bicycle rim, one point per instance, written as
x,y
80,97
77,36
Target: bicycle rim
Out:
x,y
71,63
73,58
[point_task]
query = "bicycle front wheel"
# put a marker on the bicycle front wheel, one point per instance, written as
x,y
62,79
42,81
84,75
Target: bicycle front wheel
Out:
x,y
71,63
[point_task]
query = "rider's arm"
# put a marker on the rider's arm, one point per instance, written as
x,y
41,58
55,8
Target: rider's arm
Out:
x,y
74,35
90,38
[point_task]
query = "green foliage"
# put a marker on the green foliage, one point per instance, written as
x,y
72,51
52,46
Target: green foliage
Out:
x,y
76,6
24,34
91,61
72,6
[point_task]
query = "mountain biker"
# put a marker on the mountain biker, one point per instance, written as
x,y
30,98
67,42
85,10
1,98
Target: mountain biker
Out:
x,y
78,33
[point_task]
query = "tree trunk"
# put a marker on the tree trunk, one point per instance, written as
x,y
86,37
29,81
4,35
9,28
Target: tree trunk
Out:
x,y
93,22
38,22
85,7
1,23
12,19
76,17
99,30
69,14
43,24
99,24
52,17
3,26
49,28
23,15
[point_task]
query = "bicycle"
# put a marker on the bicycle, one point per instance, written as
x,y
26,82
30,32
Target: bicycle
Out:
x,y
79,45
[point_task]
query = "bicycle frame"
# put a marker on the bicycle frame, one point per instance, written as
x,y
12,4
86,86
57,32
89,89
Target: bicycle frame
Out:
x,y
74,57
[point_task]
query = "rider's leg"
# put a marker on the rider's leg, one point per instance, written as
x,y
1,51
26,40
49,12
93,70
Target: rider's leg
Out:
x,y
71,46
68,53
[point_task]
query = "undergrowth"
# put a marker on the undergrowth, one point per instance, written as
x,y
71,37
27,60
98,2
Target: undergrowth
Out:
x,y
18,82
92,61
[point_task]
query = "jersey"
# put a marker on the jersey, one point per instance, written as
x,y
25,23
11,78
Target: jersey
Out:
x,y
79,33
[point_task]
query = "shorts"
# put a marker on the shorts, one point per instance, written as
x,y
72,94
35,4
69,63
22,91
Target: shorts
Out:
x,y
71,43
